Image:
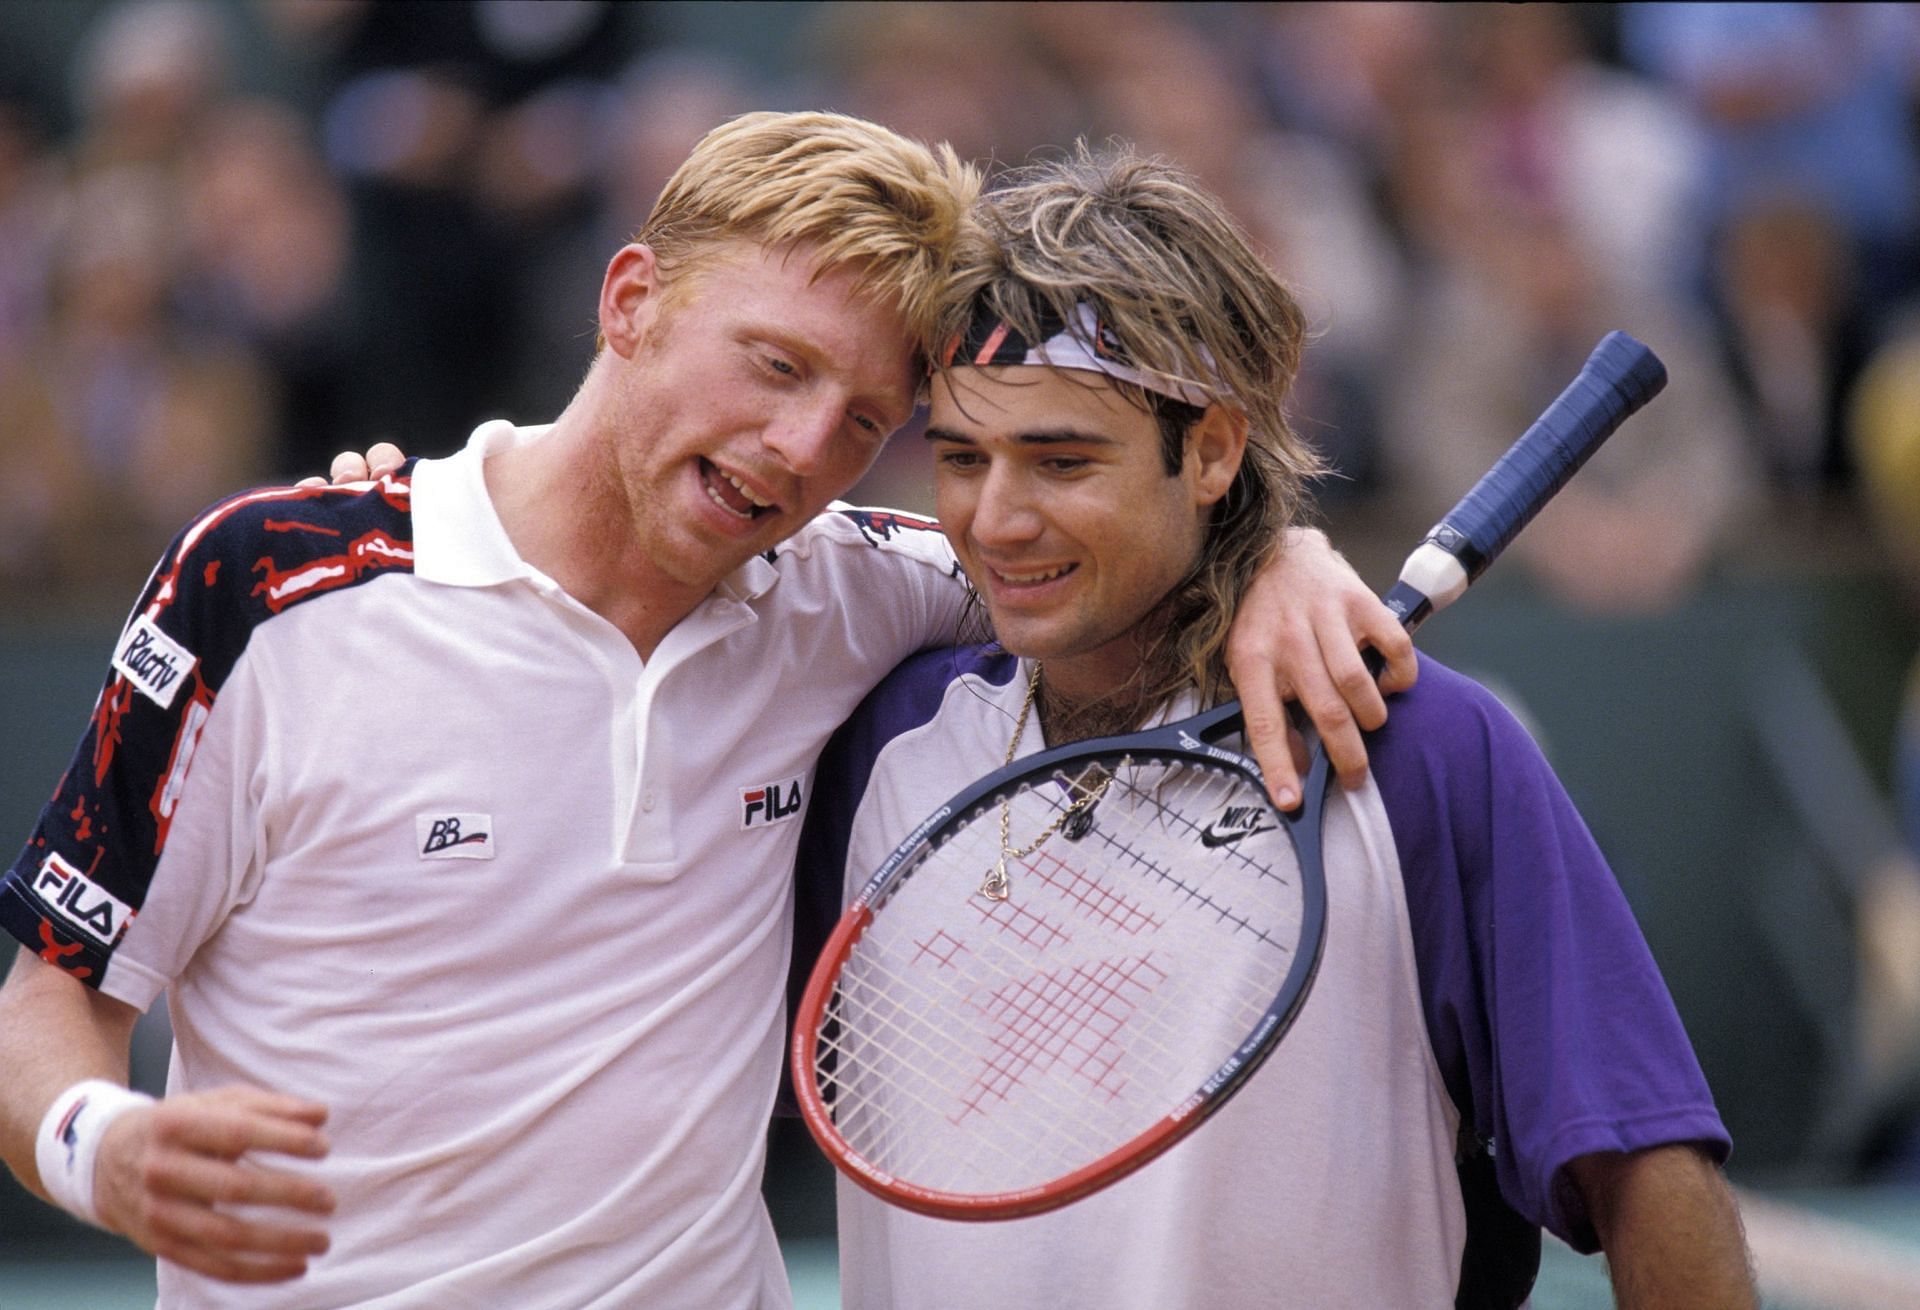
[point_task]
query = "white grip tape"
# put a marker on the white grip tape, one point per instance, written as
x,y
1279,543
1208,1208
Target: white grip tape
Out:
x,y
70,1136
1435,574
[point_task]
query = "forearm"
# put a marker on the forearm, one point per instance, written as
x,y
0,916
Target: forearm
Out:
x,y
1670,1228
167,1175
54,1032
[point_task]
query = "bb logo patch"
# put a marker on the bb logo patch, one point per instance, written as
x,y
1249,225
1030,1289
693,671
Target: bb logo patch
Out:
x,y
80,902
772,802
454,836
153,661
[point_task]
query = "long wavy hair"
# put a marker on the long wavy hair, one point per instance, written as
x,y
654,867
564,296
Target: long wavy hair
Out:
x,y
1182,295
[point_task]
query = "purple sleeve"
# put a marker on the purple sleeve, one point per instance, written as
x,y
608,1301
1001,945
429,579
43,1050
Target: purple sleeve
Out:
x,y
1550,1021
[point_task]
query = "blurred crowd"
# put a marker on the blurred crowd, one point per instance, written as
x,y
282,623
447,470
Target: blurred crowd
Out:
x,y
239,235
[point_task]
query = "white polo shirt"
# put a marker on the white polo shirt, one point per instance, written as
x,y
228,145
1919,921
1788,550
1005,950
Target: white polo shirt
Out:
x,y
452,859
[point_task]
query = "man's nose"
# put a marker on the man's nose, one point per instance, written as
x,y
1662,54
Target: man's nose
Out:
x,y
804,437
1006,513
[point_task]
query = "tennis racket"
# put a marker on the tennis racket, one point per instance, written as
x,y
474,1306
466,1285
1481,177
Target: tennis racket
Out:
x,y
979,1056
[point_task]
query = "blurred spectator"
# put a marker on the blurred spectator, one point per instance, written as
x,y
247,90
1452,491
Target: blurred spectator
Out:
x,y
465,131
1794,339
667,101
1533,186
148,73
265,249
428,276
1813,187
1804,101
29,214
972,75
1619,159
639,129
1497,336
119,426
1346,71
1884,427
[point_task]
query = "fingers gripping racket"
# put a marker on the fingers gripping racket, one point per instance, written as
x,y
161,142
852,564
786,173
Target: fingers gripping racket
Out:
x,y
976,1057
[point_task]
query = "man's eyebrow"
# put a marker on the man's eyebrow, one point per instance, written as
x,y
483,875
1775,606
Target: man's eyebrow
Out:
x,y
1032,437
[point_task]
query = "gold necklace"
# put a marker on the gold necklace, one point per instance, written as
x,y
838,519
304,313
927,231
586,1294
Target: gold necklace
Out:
x,y
995,885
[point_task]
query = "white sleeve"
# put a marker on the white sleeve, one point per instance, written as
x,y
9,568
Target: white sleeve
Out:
x,y
212,858
895,580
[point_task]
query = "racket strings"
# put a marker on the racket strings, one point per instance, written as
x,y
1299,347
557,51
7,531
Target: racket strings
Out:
x,y
1056,1020
873,1110
1145,791
876,994
1049,1127
875,1105
974,1045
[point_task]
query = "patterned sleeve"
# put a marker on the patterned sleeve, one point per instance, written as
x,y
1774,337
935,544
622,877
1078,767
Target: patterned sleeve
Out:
x,y
81,883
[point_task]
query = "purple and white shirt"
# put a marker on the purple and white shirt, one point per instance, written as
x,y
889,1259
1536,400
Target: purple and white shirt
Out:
x,y
1486,1010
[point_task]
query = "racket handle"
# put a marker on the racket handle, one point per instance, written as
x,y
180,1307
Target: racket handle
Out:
x,y
1619,377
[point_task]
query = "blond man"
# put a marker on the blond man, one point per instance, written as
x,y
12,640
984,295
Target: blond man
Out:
x,y
454,810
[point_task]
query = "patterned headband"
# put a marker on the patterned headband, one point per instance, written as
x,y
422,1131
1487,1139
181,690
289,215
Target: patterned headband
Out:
x,y
1085,343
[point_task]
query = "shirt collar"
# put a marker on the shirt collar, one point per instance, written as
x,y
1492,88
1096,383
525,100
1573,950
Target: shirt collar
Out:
x,y
748,582
458,539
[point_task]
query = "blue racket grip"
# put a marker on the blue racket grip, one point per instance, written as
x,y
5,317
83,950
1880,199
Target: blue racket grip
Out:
x,y
1618,378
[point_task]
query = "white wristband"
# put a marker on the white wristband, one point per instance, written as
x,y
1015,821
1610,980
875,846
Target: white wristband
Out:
x,y
70,1136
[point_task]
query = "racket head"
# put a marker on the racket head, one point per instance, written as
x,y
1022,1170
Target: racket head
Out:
x,y
974,1059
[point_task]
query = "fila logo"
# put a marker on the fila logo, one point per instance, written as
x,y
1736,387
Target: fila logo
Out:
x,y
1235,822
773,802
80,902
454,836
153,661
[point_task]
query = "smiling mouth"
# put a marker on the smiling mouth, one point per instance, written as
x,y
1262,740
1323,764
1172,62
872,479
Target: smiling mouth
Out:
x,y
731,494
1033,579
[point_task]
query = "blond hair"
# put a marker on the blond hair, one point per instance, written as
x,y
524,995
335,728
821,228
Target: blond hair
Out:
x,y
1179,287
862,196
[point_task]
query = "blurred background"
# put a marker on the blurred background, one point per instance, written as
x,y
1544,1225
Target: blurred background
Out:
x,y
237,236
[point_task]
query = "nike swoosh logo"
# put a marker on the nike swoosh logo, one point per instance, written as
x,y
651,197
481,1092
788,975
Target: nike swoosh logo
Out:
x,y
1213,835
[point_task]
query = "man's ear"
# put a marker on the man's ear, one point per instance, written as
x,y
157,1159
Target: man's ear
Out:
x,y
1215,446
630,297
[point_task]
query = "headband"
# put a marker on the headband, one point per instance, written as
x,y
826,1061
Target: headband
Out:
x,y
1084,343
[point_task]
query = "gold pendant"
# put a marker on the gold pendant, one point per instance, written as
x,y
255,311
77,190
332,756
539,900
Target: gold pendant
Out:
x,y
994,886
